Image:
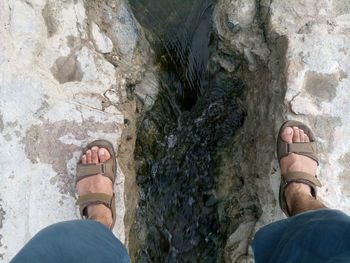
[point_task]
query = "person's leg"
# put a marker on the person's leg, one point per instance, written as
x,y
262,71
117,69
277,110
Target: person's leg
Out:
x,y
313,233
300,200
73,241
314,236
80,240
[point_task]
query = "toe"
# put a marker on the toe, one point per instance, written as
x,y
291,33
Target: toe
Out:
x,y
83,159
296,134
88,156
306,138
103,155
287,135
302,136
94,155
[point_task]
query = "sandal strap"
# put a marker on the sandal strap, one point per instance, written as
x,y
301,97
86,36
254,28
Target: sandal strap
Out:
x,y
300,177
302,147
86,170
308,149
95,199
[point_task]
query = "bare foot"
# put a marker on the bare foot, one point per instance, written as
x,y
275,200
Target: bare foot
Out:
x,y
296,163
96,184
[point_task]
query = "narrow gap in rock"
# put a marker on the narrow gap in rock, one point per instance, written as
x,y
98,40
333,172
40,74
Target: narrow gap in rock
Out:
x,y
186,138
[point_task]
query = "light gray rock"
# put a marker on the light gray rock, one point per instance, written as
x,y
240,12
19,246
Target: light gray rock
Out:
x,y
238,242
113,97
102,42
112,109
236,22
147,89
54,99
122,29
241,13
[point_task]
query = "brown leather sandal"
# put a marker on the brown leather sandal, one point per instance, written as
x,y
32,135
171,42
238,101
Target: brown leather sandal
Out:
x,y
107,169
308,149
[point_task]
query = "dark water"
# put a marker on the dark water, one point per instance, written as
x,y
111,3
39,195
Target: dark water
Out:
x,y
180,140
179,31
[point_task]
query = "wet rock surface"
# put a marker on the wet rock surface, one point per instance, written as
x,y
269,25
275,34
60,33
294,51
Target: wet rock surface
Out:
x,y
186,143
178,201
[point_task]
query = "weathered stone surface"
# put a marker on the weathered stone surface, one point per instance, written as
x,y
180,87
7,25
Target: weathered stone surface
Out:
x,y
236,22
295,62
147,89
102,42
119,25
58,92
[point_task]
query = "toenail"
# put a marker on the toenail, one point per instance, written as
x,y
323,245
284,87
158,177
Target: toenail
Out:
x,y
288,131
102,152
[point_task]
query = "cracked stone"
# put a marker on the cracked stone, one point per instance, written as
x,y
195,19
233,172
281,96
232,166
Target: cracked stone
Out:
x,y
102,43
112,110
113,97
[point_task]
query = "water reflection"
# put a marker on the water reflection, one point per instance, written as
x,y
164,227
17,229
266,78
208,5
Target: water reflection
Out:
x,y
180,139
179,31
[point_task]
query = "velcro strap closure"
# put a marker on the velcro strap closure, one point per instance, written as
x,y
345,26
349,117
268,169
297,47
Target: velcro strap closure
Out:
x,y
85,170
301,147
301,177
95,198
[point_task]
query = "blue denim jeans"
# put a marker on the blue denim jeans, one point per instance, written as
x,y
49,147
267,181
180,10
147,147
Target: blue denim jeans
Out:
x,y
311,237
73,241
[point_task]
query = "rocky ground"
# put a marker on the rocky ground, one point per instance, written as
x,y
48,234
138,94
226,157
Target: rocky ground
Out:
x,y
67,69
293,57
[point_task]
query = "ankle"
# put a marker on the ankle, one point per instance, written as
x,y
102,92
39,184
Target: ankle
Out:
x,y
100,213
297,188
295,192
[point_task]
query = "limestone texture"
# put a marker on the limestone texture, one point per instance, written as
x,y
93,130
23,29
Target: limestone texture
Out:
x,y
293,57
65,67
